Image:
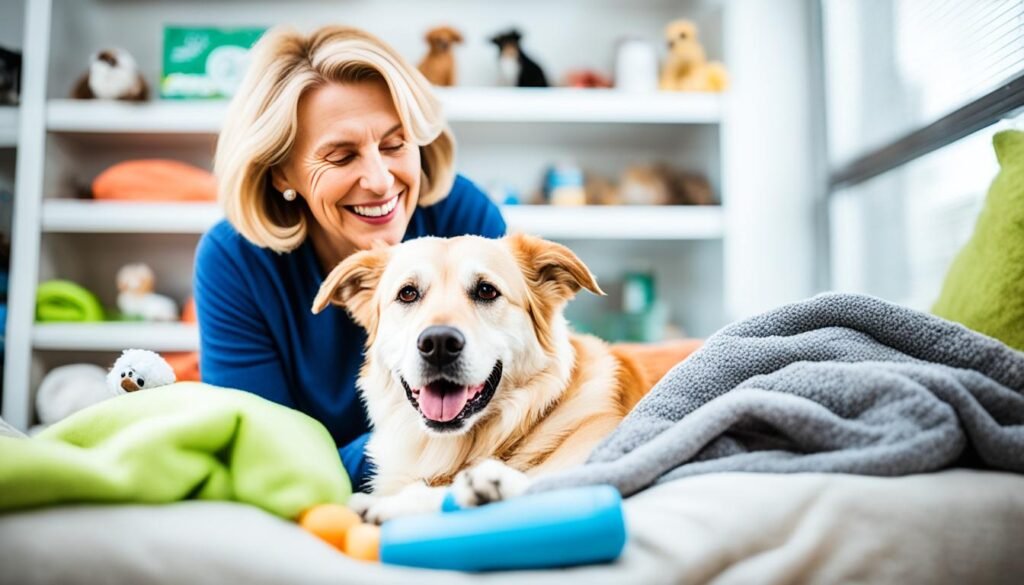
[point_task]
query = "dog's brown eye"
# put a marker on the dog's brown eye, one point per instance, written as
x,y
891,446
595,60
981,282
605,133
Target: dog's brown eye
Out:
x,y
408,294
486,292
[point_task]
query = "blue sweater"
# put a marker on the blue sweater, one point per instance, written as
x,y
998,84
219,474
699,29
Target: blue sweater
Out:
x,y
257,332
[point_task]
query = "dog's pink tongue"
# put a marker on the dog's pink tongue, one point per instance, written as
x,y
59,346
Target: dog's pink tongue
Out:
x,y
443,403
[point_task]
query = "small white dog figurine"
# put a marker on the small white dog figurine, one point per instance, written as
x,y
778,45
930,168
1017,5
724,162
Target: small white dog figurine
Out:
x,y
136,298
138,369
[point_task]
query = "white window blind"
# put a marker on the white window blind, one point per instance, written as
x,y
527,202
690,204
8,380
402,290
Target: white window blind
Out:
x,y
915,89
893,66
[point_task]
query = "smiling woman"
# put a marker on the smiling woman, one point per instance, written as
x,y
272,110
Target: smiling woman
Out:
x,y
353,167
333,143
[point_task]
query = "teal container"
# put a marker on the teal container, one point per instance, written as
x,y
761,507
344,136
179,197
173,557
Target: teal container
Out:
x,y
553,529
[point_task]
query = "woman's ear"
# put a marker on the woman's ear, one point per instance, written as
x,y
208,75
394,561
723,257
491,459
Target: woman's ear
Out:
x,y
352,283
277,178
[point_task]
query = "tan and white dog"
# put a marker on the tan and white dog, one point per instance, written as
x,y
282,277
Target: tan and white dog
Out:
x,y
472,377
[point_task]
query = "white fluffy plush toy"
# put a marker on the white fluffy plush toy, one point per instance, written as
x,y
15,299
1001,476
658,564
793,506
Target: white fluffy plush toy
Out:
x,y
136,298
139,369
68,389
112,75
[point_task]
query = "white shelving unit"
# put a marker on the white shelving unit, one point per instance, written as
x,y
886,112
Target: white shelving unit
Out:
x,y
114,337
602,223
502,105
506,136
8,126
69,216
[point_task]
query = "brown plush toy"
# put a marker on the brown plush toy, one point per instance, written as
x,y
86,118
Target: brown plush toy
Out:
x,y
438,66
650,184
686,67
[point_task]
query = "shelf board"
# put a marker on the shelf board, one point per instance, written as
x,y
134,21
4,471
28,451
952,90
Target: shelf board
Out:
x,y
161,116
111,217
490,104
608,222
115,336
8,126
592,222
461,105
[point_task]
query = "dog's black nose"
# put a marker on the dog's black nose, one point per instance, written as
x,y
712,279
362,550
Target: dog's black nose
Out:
x,y
440,345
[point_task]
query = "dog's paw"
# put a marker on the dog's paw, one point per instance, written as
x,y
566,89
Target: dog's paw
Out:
x,y
489,481
361,503
413,500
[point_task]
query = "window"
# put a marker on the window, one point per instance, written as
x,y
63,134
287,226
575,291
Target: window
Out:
x,y
915,91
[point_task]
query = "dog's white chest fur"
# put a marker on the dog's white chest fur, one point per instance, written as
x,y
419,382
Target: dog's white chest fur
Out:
x,y
508,70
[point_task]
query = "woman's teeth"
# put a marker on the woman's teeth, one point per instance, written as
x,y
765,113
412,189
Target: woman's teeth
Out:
x,y
376,210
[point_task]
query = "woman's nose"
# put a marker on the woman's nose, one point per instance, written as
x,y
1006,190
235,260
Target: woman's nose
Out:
x,y
376,175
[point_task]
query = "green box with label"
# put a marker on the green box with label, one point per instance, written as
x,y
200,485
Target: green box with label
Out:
x,y
205,62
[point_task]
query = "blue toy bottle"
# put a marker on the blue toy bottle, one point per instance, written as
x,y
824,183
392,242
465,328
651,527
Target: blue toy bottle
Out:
x,y
552,529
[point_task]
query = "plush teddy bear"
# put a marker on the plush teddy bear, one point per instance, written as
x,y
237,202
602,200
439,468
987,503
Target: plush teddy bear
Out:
x,y
686,67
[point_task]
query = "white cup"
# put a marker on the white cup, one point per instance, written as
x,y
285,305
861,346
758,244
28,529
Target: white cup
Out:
x,y
636,66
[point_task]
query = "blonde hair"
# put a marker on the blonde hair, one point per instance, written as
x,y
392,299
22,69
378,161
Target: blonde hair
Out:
x,y
261,124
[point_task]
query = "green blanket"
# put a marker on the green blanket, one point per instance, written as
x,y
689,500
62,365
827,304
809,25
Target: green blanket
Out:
x,y
177,442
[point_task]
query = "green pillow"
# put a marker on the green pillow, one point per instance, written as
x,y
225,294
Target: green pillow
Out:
x,y
984,288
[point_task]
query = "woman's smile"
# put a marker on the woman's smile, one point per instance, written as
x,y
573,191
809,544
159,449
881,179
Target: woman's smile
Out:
x,y
377,213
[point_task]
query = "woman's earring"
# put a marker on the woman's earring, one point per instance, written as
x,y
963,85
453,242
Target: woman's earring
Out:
x,y
289,194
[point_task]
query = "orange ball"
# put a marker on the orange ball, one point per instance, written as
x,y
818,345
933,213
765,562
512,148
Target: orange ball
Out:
x,y
329,522
363,542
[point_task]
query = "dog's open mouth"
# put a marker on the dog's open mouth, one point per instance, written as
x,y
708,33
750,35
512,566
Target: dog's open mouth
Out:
x,y
445,405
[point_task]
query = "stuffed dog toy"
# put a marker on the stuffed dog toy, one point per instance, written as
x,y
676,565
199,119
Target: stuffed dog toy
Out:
x,y
515,68
687,67
438,66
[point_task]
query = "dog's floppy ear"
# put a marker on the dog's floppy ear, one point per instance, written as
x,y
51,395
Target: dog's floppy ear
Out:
x,y
553,271
553,275
352,283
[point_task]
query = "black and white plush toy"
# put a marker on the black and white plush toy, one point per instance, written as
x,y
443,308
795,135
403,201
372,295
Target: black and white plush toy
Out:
x,y
10,77
67,389
514,67
139,369
112,75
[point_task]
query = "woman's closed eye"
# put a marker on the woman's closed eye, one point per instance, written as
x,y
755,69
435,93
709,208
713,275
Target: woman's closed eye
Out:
x,y
392,147
342,159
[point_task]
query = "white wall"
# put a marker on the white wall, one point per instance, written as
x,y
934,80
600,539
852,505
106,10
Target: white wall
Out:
x,y
768,155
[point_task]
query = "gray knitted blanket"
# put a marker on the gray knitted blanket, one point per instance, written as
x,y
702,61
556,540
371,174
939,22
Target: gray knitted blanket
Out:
x,y
838,383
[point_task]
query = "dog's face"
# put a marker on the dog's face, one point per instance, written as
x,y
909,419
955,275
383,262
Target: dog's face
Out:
x,y
453,324
681,37
443,37
507,41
